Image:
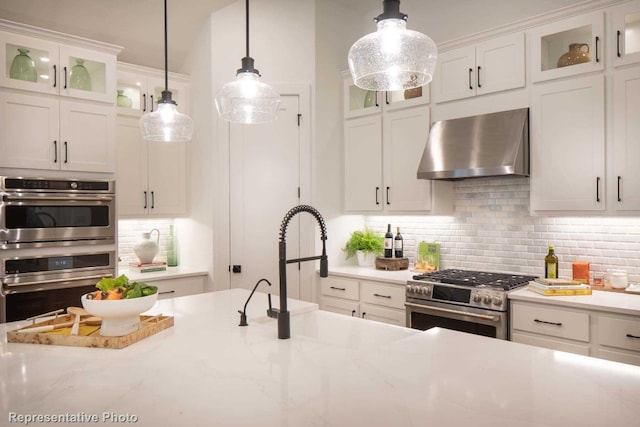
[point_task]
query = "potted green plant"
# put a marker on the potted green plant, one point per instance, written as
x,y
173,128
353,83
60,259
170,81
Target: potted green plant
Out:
x,y
365,245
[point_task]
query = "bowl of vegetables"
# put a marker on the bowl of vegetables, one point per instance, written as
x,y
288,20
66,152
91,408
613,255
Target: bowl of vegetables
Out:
x,y
119,303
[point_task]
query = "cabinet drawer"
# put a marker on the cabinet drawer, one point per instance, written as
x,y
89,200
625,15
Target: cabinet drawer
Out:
x,y
340,306
550,321
384,315
620,333
340,288
381,294
172,288
551,344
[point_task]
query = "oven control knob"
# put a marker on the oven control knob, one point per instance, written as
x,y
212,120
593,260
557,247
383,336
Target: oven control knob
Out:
x,y
425,290
413,288
477,298
497,300
486,299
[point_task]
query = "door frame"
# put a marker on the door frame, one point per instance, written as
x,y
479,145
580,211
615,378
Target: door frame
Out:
x,y
222,220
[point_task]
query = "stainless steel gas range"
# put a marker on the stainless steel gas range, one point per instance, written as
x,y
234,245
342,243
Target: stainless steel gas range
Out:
x,y
462,300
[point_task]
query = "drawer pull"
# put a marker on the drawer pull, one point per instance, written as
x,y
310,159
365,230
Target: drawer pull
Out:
x,y
382,296
364,314
338,289
633,336
166,292
353,313
547,323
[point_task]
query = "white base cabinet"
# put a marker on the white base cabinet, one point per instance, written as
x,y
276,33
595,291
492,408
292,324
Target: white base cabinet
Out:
x,y
378,301
601,334
177,287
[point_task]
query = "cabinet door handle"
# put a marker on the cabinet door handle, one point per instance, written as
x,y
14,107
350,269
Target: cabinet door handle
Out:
x,y
619,198
633,336
153,199
151,98
55,75
470,73
618,44
598,189
547,323
353,313
338,289
144,102
145,200
66,152
65,77
377,191
55,151
364,314
597,50
386,98
388,202
478,82
382,296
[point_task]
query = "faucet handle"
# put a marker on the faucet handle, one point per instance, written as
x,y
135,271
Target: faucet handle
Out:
x,y
243,318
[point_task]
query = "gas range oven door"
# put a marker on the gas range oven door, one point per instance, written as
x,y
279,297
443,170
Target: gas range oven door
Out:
x,y
424,315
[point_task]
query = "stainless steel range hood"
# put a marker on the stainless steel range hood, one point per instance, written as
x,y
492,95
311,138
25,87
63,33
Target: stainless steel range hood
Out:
x,y
495,144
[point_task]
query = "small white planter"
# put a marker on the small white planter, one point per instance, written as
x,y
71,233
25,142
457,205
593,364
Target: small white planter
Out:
x,y
366,259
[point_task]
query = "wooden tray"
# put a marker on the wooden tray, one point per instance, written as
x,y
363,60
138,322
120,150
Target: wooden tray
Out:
x,y
149,325
392,264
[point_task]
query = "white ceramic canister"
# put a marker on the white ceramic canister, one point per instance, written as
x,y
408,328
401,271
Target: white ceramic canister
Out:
x,y
618,279
146,249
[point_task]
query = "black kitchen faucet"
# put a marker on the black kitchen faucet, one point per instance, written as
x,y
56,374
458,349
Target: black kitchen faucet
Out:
x,y
284,326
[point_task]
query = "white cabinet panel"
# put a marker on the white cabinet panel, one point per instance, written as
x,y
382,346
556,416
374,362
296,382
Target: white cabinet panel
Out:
x,y
551,344
381,314
178,287
131,169
340,306
551,321
363,160
392,296
455,75
619,333
626,32
340,288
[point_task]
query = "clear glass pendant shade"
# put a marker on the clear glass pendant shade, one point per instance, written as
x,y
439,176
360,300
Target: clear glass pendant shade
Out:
x,y
392,58
247,100
166,124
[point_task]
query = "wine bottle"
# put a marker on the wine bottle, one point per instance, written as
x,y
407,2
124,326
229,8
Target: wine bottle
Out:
x,y
388,243
398,244
172,248
551,264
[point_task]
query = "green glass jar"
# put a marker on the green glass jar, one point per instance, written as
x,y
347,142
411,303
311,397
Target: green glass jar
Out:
x,y
23,67
123,100
79,77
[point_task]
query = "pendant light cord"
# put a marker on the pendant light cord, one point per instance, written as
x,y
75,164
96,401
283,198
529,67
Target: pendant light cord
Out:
x,y
166,51
247,29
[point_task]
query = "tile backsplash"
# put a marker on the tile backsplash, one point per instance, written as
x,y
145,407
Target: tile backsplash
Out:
x,y
493,230
130,233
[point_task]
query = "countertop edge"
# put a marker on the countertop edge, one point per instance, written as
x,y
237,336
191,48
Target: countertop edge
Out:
x,y
170,273
603,301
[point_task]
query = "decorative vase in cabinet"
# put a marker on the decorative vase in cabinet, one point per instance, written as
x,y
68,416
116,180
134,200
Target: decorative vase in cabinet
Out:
x,y
147,249
575,55
79,77
123,100
23,67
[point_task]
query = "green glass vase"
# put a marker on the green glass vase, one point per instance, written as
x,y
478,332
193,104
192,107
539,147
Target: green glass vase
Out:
x,y
123,100
23,67
79,77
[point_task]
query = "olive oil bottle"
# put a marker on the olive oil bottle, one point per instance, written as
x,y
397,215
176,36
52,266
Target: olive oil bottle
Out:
x,y
551,264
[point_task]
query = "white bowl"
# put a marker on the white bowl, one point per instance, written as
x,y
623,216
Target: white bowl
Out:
x,y
119,317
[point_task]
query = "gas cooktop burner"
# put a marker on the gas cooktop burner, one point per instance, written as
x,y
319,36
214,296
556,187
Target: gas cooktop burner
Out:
x,y
480,279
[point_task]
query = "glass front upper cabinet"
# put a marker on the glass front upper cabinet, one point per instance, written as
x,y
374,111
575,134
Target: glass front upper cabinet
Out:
x,y
626,28
357,101
405,98
568,47
40,66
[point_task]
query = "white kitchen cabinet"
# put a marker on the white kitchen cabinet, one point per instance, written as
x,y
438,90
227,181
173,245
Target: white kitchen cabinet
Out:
x,y
151,177
143,88
177,287
378,301
568,145
551,41
44,132
589,332
493,65
360,102
626,31
382,153
626,138
58,65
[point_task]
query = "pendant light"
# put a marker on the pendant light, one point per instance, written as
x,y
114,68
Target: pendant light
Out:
x,y
246,99
166,124
392,58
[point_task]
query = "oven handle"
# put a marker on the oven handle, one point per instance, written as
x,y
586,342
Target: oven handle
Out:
x,y
448,310
16,289
46,198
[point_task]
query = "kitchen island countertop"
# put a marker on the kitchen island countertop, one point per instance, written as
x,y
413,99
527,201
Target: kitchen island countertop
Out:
x,y
334,371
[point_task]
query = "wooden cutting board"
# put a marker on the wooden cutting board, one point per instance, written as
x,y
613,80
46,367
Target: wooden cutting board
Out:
x,y
392,264
90,336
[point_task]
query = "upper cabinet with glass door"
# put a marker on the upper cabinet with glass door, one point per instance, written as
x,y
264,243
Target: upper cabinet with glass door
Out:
x,y
43,66
139,89
568,47
626,28
360,102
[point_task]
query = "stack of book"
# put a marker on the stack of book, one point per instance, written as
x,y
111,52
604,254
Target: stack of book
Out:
x,y
148,267
557,287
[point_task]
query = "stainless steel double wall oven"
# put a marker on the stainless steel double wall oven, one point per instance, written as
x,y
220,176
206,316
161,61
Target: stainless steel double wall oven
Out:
x,y
57,238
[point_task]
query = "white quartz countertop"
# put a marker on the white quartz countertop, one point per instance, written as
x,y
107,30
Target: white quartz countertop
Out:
x,y
334,371
399,277
170,273
624,303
